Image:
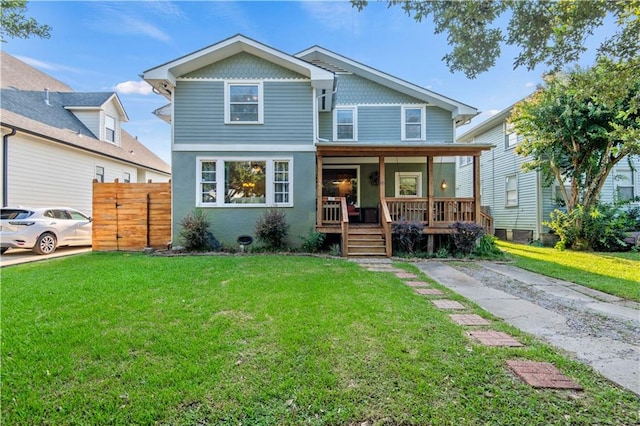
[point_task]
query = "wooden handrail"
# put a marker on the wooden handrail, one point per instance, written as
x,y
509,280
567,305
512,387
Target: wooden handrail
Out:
x,y
386,222
344,213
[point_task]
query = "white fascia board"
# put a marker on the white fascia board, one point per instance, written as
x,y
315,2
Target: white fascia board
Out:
x,y
229,47
484,126
388,80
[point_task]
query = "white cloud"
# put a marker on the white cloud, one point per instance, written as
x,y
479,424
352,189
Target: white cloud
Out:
x,y
333,15
134,87
138,26
530,84
48,66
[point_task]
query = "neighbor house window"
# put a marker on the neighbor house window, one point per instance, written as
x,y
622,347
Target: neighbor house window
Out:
x,y
242,182
408,184
625,184
109,128
100,173
243,103
511,191
511,137
413,123
127,177
345,128
466,160
556,192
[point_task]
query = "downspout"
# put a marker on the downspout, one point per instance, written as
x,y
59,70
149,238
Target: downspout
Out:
x,y
5,168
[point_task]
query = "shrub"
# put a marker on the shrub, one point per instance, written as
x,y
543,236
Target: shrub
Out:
x,y
272,229
194,232
465,236
487,247
407,235
312,243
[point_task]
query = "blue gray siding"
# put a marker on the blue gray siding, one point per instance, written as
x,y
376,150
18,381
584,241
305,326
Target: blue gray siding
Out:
x,y
439,125
199,114
379,124
227,223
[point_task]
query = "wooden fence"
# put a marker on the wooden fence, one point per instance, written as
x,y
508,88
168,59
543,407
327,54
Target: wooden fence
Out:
x,y
131,216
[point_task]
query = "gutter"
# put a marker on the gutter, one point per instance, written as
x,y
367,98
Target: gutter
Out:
x,y
5,163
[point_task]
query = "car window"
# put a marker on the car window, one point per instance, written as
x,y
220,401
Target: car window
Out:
x,y
15,214
48,213
77,216
61,214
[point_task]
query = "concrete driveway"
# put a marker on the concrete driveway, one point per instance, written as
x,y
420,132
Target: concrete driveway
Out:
x,y
18,256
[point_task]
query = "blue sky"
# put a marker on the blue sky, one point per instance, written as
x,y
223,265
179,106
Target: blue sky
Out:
x,y
105,46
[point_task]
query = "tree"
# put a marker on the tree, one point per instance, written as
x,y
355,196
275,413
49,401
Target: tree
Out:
x,y
547,32
14,23
575,133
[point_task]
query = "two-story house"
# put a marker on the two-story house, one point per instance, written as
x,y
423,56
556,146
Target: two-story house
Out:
x,y
344,148
56,141
518,201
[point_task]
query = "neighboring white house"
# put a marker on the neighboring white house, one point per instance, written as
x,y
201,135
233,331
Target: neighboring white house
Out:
x,y
519,202
55,141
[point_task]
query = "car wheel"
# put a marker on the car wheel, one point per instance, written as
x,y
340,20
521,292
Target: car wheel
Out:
x,y
46,244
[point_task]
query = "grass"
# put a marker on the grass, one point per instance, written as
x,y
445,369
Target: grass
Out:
x,y
613,273
112,338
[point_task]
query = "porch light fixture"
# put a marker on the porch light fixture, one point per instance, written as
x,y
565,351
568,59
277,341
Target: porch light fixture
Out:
x,y
443,184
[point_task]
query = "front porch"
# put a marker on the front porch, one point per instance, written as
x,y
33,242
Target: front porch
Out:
x,y
368,230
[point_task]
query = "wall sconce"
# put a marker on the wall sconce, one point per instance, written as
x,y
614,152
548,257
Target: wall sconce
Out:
x,y
443,184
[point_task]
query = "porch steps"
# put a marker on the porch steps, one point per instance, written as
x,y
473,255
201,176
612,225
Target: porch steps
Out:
x,y
366,241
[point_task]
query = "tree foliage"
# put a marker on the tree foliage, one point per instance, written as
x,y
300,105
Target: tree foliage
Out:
x,y
14,23
546,32
575,133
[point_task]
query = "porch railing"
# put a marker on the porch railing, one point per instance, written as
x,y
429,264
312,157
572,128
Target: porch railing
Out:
x,y
445,211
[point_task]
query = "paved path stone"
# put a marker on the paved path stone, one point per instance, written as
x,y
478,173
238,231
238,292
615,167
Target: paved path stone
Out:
x,y
494,338
469,319
417,284
448,304
429,291
542,375
405,275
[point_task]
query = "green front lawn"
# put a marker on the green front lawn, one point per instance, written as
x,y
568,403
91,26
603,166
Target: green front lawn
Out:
x,y
613,273
109,338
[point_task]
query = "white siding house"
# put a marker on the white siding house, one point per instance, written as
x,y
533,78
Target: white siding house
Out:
x,y
518,200
55,142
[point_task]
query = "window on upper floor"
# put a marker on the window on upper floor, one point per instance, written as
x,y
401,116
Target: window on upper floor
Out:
x,y
625,185
109,128
243,103
225,182
100,173
413,123
127,177
345,127
510,136
511,191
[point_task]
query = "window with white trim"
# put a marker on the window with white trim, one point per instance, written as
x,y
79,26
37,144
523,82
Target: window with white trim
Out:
x,y
243,103
345,127
413,123
109,128
511,191
510,136
226,182
100,174
466,160
408,184
625,185
556,192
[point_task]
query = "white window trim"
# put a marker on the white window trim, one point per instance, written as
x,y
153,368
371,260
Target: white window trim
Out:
x,y
624,183
423,122
417,175
506,198
221,179
227,100
355,123
511,138
98,174
115,128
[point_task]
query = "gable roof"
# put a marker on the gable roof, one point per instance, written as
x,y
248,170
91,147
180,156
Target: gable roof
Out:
x,y
163,77
322,57
27,111
489,123
15,74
